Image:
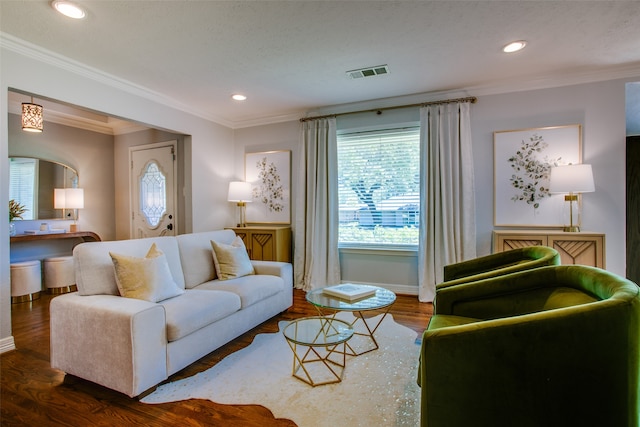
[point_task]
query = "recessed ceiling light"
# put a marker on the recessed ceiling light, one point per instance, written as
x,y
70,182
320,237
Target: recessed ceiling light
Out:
x,y
239,97
68,8
514,46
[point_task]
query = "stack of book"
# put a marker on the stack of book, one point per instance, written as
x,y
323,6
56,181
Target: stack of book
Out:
x,y
349,291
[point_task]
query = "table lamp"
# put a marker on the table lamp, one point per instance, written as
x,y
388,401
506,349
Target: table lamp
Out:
x,y
240,192
574,180
69,198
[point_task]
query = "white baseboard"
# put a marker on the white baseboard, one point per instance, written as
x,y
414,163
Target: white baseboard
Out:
x,y
7,344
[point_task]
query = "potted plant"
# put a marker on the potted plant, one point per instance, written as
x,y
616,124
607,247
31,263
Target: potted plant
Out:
x,y
15,212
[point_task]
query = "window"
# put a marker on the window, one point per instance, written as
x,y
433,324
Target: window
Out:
x,y
379,187
23,184
153,195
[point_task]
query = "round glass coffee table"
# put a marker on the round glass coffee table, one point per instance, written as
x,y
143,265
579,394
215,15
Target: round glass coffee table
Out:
x,y
319,348
329,306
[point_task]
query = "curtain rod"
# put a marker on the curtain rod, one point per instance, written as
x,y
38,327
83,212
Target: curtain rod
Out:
x,y
471,99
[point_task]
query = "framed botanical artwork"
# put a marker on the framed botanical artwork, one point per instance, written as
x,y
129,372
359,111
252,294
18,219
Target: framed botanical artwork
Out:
x,y
522,163
270,176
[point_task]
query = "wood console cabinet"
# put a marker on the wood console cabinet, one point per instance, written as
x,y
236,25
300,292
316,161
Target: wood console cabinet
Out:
x,y
266,243
585,248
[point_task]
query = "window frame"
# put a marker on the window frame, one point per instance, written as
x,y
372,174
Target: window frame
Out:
x,y
363,247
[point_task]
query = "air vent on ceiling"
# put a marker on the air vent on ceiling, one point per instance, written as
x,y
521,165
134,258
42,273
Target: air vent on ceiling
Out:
x,y
368,72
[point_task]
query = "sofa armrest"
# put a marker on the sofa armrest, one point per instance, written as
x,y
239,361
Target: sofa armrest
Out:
x,y
275,268
117,342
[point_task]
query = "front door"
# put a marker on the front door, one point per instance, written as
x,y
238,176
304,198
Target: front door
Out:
x,y
153,188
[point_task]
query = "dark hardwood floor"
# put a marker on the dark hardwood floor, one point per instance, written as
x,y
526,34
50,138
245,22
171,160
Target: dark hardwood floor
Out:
x,y
34,394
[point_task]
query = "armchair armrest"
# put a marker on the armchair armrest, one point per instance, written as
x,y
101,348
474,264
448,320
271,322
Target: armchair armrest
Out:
x,y
275,268
579,350
117,342
509,368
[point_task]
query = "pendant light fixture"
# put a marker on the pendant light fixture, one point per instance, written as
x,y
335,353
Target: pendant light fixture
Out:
x,y
31,117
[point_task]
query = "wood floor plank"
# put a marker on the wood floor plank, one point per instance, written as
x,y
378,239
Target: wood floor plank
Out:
x,y
34,394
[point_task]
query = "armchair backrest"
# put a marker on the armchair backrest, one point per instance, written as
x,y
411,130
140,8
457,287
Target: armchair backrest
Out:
x,y
499,264
535,290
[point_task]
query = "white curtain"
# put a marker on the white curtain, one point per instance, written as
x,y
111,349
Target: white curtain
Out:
x,y
316,262
447,227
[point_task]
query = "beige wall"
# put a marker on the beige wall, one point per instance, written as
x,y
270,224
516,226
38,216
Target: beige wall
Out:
x,y
89,153
599,107
209,149
215,154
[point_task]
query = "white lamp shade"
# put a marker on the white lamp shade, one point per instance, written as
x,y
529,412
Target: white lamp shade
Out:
x,y
75,198
59,198
68,198
571,179
239,191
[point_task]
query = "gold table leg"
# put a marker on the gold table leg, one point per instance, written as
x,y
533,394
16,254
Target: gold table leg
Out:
x,y
311,355
368,334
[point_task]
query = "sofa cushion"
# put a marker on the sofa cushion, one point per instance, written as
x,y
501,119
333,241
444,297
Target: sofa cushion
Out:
x,y
147,278
195,255
232,260
196,309
250,289
94,268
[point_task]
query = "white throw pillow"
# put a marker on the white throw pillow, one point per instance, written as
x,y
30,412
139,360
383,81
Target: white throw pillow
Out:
x,y
147,278
231,260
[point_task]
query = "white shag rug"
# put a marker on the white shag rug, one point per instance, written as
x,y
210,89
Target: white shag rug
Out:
x,y
377,389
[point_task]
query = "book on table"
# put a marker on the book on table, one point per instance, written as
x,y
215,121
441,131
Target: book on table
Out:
x,y
349,291
50,231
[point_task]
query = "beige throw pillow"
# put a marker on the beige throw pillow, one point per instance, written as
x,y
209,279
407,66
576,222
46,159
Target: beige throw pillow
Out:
x,y
231,260
147,278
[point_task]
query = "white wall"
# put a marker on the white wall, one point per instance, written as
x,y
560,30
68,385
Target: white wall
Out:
x,y
89,153
215,160
211,150
274,137
598,107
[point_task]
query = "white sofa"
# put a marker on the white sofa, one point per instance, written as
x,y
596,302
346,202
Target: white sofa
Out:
x,y
131,345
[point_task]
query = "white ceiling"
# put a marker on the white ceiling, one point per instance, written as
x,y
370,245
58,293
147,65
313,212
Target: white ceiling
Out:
x,y
290,57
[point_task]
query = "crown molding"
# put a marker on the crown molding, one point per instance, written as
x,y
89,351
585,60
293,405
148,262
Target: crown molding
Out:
x,y
519,84
558,79
268,120
38,53
74,117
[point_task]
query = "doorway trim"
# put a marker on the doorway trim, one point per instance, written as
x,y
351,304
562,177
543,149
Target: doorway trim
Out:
x,y
171,143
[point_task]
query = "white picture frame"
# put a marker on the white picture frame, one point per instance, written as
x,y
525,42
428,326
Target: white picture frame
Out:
x,y
269,174
522,160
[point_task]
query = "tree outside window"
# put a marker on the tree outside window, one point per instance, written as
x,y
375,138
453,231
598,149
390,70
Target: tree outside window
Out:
x,y
378,181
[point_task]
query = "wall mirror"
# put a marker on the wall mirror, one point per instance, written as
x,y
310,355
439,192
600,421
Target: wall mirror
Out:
x,y
31,183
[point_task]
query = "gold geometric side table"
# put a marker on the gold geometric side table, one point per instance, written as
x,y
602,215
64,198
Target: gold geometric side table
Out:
x,y
319,349
364,329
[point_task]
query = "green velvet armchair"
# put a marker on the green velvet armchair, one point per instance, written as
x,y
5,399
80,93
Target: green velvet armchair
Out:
x,y
498,264
552,346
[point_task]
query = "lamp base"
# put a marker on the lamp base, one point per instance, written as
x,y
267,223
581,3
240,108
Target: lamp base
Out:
x,y
73,228
242,206
571,229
